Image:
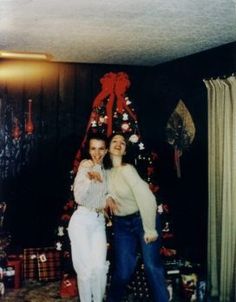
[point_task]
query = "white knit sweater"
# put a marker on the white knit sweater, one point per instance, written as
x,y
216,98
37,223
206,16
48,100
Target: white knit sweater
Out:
x,y
133,194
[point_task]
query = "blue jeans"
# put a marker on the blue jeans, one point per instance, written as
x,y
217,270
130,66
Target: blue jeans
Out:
x,y
128,234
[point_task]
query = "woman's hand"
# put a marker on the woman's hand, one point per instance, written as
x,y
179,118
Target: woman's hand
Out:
x,y
95,176
112,206
149,239
92,175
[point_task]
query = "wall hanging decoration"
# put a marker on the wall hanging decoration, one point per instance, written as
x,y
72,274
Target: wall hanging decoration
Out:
x,y
180,132
16,137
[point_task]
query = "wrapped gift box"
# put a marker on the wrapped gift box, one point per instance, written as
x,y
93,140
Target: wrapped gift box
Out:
x,y
30,263
41,264
49,265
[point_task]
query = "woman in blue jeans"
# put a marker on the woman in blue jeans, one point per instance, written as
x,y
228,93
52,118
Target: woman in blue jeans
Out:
x,y
135,223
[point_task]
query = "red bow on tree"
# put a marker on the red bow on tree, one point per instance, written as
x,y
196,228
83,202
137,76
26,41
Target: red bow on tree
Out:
x,y
114,87
112,95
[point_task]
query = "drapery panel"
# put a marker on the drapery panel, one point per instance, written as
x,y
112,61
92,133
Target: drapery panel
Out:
x,y
222,188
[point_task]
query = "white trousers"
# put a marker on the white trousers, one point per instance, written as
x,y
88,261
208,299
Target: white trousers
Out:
x,y
89,249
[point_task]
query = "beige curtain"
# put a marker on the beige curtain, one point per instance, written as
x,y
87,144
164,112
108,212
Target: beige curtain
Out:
x,y
222,188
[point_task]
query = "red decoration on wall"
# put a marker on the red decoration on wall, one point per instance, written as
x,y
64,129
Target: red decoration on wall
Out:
x,y
29,127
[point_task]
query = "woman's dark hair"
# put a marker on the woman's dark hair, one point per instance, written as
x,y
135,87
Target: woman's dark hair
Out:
x,y
128,158
97,136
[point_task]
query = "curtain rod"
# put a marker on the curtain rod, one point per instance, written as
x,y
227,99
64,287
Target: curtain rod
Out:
x,y
223,77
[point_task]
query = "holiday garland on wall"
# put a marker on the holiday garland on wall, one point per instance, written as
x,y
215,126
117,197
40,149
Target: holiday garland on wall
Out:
x,y
112,112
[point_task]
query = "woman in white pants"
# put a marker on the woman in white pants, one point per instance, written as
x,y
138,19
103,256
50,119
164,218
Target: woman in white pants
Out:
x,y
87,224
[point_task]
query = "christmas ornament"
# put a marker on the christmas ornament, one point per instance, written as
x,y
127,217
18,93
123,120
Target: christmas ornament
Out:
x,y
125,117
60,231
93,123
141,146
134,138
125,127
58,246
127,101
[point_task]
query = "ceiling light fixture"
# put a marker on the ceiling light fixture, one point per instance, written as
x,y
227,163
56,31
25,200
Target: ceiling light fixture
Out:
x,y
24,55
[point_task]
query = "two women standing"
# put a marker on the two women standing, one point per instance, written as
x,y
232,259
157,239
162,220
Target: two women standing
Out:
x,y
135,224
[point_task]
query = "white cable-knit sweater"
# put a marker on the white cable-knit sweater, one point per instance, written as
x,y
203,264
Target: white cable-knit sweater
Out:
x,y
133,194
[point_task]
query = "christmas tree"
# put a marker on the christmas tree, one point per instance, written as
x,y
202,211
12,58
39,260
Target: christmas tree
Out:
x,y
113,112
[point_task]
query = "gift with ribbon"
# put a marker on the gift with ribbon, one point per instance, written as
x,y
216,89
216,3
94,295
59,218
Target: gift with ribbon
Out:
x,y
41,264
49,265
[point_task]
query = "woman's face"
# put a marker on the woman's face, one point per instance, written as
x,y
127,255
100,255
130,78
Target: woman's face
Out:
x,y
117,145
97,150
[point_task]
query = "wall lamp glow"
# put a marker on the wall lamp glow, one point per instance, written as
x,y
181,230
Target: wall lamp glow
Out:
x,y
24,55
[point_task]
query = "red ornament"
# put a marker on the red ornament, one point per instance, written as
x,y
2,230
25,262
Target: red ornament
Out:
x,y
125,127
65,217
154,155
167,252
150,170
165,208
